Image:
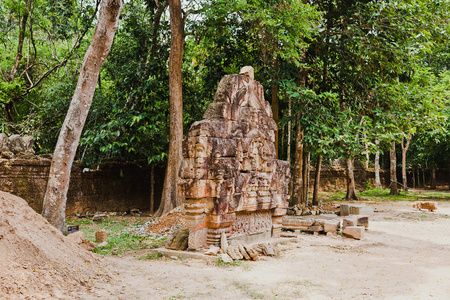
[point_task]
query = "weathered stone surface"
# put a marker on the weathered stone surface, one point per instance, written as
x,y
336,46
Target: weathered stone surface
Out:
x,y
248,71
430,205
252,251
213,250
362,221
349,221
315,228
244,252
356,232
223,242
103,244
361,210
344,210
230,174
297,223
234,252
331,226
101,236
225,258
178,240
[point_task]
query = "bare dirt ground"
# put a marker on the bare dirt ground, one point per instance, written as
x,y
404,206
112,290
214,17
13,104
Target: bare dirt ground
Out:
x,y
405,255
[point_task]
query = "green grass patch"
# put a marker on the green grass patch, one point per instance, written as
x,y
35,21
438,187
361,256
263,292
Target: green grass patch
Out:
x,y
118,241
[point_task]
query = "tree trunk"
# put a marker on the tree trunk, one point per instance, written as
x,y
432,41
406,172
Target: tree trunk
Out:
x,y
297,178
315,200
307,177
423,178
21,39
170,199
152,189
377,168
58,183
275,111
393,168
351,190
418,177
404,149
433,178
413,178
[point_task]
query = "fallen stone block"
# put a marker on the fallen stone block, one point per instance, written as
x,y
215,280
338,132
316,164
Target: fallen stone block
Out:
x,y
331,226
288,234
213,250
344,210
296,223
76,237
101,236
234,252
244,252
362,221
225,258
430,205
252,252
360,209
327,216
356,232
88,245
315,228
223,242
268,250
349,221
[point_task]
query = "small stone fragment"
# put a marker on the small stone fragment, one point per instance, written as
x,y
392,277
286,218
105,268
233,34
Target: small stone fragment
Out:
x,y
223,242
349,222
104,244
225,258
356,232
101,236
268,250
362,221
213,250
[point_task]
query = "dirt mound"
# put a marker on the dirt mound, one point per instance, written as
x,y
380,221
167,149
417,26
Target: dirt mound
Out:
x,y
36,260
167,223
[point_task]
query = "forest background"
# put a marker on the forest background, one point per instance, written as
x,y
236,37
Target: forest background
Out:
x,y
346,79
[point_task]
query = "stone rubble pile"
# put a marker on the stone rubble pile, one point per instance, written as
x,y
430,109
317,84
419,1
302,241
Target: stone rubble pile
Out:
x,y
16,146
352,226
299,210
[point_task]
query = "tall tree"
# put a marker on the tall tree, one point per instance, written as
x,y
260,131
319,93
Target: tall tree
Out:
x,y
58,184
170,197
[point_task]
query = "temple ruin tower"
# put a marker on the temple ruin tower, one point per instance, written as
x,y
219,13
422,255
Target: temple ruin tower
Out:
x,y
231,181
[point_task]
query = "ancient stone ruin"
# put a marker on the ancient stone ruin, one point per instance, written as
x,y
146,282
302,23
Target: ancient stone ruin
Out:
x,y
15,145
231,181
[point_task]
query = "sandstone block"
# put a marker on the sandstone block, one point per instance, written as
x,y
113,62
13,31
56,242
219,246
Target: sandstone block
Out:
x,y
361,210
234,252
344,210
223,242
315,228
356,232
101,236
362,221
331,226
430,205
213,250
88,245
349,221
291,222
244,252
225,258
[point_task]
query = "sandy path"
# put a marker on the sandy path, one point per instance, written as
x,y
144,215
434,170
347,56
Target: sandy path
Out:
x,y
405,255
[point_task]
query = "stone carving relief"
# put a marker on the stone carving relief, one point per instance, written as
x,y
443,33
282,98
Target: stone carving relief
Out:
x,y
230,169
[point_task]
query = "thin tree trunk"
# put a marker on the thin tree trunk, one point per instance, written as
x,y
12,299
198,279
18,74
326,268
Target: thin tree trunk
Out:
x,y
315,200
307,177
433,178
393,168
58,184
351,190
413,178
418,177
170,199
404,149
423,178
152,189
448,178
297,178
377,168
21,39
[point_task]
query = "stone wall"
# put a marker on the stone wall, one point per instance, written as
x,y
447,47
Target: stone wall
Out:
x,y
112,187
